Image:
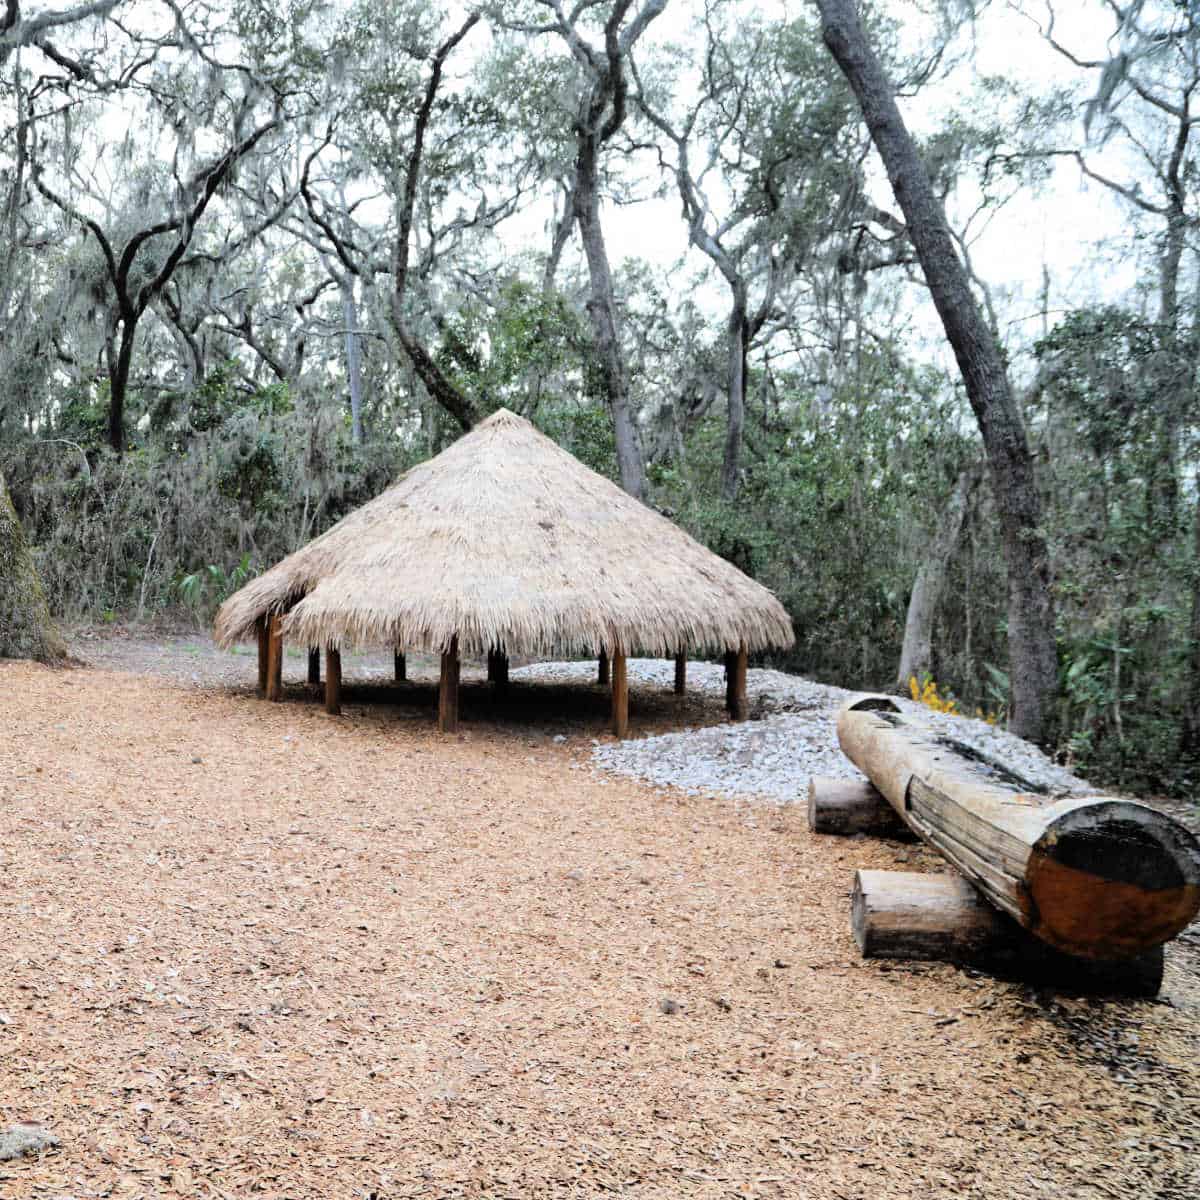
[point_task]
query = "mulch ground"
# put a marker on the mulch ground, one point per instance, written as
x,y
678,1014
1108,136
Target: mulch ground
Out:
x,y
255,950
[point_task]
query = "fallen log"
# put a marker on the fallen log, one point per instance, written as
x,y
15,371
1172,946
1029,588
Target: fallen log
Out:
x,y
1093,876
942,918
849,806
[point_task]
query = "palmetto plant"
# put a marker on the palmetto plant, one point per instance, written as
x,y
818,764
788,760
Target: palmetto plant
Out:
x,y
204,589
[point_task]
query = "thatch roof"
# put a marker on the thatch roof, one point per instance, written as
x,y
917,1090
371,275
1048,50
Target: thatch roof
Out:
x,y
508,541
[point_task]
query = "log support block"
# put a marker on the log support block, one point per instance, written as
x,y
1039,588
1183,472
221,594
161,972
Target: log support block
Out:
x,y
260,628
401,664
333,680
620,694
680,674
735,685
849,806
275,657
314,664
602,669
448,689
942,918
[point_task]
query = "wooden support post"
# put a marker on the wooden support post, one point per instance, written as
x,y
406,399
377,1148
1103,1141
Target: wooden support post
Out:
x,y
448,690
275,657
498,669
849,806
602,670
401,664
942,918
1094,876
260,628
680,673
735,685
333,680
314,664
620,693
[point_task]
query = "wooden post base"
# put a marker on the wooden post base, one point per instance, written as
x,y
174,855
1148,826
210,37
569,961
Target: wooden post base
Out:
x,y
942,918
275,657
735,685
333,680
260,628
620,694
401,664
448,690
849,806
680,674
498,669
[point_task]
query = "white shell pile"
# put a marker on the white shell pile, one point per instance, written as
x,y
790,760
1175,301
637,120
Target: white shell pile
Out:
x,y
772,758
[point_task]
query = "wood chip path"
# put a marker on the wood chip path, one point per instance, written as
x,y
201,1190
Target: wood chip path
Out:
x,y
252,950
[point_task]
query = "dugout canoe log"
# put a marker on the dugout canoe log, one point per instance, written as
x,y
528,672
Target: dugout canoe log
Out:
x,y
1093,876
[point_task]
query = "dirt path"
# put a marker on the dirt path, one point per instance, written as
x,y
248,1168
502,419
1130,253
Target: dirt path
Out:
x,y
253,950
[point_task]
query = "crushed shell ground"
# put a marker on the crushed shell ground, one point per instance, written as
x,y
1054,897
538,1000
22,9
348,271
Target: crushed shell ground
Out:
x,y
253,950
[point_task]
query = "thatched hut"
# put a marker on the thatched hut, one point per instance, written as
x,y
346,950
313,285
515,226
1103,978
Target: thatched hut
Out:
x,y
505,544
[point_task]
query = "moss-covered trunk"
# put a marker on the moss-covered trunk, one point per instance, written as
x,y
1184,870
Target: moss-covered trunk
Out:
x,y
26,630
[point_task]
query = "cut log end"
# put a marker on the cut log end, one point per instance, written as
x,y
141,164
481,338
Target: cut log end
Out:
x,y
1111,880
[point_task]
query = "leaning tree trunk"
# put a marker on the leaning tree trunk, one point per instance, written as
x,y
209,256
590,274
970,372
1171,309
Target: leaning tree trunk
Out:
x,y
26,630
602,311
916,654
1032,655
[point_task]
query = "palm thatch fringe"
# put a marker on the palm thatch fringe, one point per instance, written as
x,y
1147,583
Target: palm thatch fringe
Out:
x,y
508,542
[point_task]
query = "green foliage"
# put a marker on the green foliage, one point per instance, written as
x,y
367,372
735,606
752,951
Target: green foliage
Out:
x,y
204,590
1121,544
525,350
832,510
583,430
114,534
26,630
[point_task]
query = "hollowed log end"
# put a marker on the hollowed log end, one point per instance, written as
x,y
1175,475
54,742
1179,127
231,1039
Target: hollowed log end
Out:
x,y
1111,880
871,702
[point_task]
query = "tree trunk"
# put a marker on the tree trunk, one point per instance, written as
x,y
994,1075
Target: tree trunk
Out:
x,y
602,312
736,397
1032,653
118,384
916,654
26,630
1191,732
1092,876
353,362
